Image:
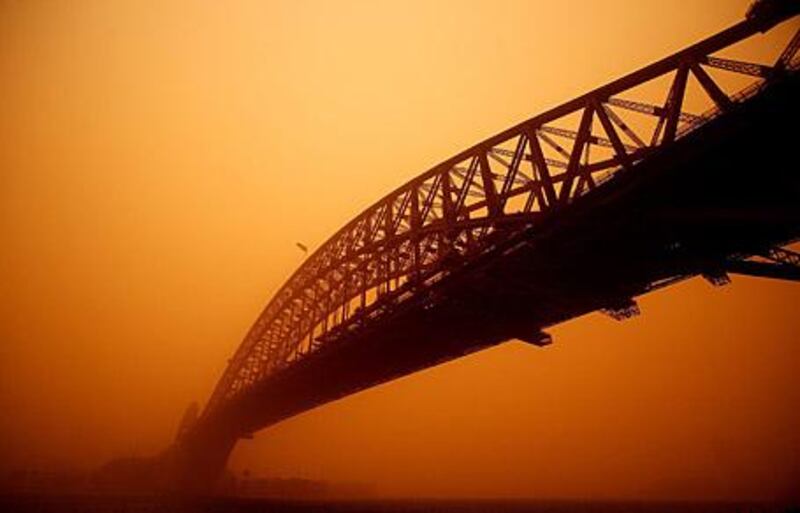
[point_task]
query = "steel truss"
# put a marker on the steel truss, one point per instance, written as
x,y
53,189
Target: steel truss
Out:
x,y
415,235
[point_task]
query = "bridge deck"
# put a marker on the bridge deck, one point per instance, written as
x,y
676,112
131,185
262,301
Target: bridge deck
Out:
x,y
707,189
716,194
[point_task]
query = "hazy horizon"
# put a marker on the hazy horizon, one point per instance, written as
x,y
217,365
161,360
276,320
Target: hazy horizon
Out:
x,y
160,160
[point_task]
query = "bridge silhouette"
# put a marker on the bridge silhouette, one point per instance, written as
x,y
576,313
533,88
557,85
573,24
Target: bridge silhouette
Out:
x,y
582,208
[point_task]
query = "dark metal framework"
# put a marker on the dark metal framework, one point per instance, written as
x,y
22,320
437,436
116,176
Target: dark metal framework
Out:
x,y
464,206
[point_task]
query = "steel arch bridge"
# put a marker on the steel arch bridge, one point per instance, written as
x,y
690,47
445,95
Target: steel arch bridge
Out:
x,y
677,169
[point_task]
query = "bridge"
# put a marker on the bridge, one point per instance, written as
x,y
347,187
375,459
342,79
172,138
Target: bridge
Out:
x,y
685,167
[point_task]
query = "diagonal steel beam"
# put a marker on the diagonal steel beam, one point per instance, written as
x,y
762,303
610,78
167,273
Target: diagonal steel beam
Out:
x,y
711,88
573,167
674,105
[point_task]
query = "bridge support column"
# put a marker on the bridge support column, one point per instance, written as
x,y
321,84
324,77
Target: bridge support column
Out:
x,y
539,338
196,462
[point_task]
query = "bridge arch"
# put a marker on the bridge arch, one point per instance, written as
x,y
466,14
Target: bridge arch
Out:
x,y
460,209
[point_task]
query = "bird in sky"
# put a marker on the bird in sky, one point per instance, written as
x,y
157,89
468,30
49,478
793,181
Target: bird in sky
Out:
x,y
302,247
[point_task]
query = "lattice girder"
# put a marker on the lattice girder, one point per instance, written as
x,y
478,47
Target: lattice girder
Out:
x,y
409,239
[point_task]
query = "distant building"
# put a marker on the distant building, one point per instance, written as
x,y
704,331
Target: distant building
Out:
x,y
43,482
300,489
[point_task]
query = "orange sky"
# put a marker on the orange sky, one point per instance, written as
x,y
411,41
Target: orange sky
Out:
x,y
158,161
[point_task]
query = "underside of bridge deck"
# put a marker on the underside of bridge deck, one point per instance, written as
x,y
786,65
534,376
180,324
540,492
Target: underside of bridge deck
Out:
x,y
700,206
